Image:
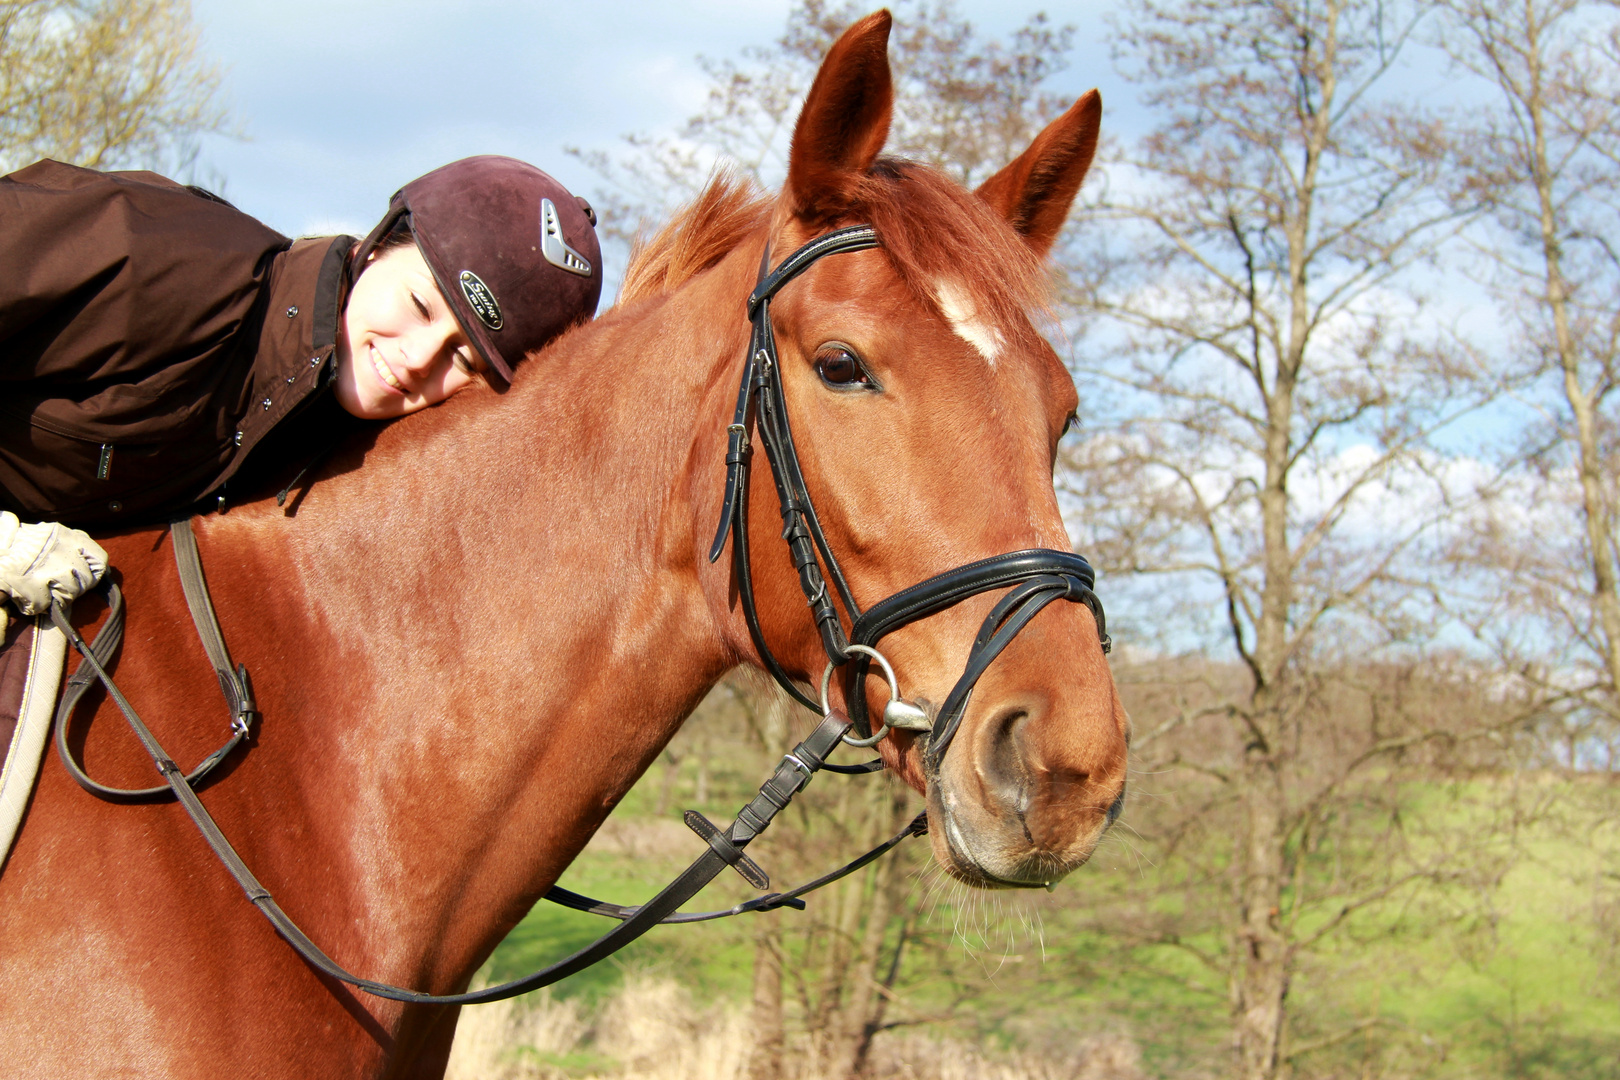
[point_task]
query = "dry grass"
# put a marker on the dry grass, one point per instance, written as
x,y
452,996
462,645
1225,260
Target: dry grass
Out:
x,y
652,1030
641,838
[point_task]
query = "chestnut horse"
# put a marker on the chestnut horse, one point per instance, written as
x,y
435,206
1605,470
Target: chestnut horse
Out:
x,y
468,650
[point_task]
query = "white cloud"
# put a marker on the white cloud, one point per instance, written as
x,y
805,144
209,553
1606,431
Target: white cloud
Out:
x,y
344,100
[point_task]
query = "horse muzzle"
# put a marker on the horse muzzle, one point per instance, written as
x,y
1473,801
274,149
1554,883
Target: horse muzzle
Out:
x,y
1036,768
1009,809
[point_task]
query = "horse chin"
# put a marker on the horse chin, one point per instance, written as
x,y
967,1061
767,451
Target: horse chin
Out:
x,y
994,858
985,839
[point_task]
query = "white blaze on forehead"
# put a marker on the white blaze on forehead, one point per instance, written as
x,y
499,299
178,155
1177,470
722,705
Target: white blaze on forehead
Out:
x,y
960,310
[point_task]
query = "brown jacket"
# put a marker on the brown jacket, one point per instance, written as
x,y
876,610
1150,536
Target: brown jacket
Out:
x,y
150,338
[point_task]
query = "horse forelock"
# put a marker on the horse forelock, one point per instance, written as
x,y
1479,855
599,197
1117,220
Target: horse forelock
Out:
x,y
956,255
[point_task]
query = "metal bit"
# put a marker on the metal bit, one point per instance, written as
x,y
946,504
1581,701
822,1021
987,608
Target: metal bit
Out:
x,y
906,716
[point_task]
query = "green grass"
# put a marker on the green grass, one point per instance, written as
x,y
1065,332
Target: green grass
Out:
x,y
711,957
580,1063
1517,980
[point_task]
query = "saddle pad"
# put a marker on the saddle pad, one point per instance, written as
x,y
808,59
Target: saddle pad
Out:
x,y
16,645
32,656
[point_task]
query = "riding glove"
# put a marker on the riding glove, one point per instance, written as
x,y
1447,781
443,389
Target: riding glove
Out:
x,y
45,560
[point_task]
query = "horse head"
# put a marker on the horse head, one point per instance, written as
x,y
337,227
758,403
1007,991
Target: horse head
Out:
x,y
925,409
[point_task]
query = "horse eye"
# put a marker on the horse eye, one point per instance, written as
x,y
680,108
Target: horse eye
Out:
x,y
838,366
1068,424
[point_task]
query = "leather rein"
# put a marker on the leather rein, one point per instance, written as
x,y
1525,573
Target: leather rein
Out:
x,y
1038,578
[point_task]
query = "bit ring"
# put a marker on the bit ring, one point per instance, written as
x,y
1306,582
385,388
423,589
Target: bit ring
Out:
x,y
888,674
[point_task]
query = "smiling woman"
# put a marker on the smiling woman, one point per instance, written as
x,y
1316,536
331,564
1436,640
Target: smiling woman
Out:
x,y
400,348
155,341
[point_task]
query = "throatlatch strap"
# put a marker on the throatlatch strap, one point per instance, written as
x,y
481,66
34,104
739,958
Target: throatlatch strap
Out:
x,y
760,401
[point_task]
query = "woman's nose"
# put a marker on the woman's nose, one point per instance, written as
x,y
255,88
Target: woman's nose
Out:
x,y
428,346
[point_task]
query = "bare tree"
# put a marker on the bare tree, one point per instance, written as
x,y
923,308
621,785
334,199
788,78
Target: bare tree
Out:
x,y
1404,820
1267,435
101,83
1546,160
962,103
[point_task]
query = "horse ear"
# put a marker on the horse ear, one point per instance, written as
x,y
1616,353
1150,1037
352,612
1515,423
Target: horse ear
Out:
x,y
1035,191
845,120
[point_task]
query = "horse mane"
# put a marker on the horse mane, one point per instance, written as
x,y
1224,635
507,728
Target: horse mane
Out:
x,y
729,208
934,231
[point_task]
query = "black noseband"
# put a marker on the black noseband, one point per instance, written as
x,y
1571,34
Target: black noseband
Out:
x,y
1040,575
1036,577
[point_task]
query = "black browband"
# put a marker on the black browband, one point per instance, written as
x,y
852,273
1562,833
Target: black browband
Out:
x,y
1037,577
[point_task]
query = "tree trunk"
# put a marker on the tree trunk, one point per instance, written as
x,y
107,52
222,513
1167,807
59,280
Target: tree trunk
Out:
x,y
700,796
1596,513
765,1058
666,790
1262,954
851,1003
1263,957
880,1006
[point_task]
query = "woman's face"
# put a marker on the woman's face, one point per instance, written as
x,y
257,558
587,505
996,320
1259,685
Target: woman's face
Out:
x,y
400,348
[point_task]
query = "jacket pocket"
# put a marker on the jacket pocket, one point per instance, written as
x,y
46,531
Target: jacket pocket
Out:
x,y
53,475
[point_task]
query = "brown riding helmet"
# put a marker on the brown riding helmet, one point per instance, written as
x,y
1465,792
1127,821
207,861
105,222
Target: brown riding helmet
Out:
x,y
514,253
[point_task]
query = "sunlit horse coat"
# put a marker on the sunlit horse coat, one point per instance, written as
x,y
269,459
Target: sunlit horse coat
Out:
x,y
151,338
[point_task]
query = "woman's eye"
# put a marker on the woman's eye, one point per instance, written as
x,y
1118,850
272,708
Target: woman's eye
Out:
x,y
838,366
420,307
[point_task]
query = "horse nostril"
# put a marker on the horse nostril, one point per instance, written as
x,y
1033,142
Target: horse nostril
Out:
x,y
1006,773
1118,805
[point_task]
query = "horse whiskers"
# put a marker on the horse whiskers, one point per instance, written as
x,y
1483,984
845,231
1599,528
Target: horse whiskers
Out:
x,y
987,924
1050,864
934,881
1124,841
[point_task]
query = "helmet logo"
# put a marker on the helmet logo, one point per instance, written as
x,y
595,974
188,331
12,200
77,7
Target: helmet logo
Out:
x,y
481,300
554,247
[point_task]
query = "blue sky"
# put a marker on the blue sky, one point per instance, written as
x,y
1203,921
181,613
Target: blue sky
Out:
x,y
339,102
342,101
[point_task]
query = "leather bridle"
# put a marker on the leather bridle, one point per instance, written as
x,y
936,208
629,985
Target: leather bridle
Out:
x,y
1038,575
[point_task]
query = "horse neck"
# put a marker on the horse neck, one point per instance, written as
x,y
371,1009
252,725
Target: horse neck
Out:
x,y
511,615
583,487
